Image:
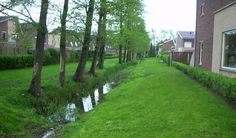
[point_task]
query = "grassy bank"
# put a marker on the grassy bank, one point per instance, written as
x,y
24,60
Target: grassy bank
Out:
x,y
18,115
156,101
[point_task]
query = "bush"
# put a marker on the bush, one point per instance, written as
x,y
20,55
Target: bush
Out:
x,y
166,58
220,84
55,55
73,56
14,62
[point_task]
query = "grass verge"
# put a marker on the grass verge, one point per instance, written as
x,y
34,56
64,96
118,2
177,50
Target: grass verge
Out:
x,y
156,101
20,111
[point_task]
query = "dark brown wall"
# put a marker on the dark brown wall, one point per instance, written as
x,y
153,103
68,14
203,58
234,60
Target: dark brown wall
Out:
x,y
167,46
204,29
3,27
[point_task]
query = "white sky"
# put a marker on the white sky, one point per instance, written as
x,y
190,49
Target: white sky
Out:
x,y
176,15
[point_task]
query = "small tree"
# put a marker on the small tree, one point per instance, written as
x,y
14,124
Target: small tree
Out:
x,y
35,85
63,44
78,76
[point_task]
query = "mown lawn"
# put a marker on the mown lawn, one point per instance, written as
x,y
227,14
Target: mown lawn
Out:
x,y
17,118
156,101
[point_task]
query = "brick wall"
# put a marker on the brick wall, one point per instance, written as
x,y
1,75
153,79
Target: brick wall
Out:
x,y
167,46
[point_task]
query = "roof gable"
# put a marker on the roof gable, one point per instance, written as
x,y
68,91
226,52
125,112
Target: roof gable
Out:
x,y
186,34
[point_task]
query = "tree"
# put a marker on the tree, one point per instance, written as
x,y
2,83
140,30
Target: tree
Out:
x,y
132,29
35,85
103,34
63,44
78,76
99,39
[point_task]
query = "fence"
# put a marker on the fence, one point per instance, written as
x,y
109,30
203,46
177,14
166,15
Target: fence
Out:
x,y
183,57
7,50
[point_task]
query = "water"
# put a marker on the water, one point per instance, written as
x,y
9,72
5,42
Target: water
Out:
x,y
49,133
70,112
70,109
87,103
96,96
106,88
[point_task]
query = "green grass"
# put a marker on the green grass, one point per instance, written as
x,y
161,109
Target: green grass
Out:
x,y
17,116
156,101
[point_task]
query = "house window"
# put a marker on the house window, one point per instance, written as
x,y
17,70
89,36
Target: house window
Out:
x,y
187,44
3,35
229,49
200,52
202,9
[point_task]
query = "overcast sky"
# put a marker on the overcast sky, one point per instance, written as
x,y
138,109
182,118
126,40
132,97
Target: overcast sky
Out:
x,y
176,15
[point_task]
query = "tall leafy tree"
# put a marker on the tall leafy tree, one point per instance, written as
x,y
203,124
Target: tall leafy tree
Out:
x,y
103,34
35,85
99,38
78,76
63,43
128,15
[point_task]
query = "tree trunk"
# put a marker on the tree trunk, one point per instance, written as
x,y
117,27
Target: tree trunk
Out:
x,y
103,37
121,33
128,59
35,86
98,43
78,76
63,44
120,54
100,92
124,54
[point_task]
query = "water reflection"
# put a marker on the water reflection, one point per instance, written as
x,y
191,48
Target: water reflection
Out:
x,y
96,96
70,112
106,88
87,103
93,99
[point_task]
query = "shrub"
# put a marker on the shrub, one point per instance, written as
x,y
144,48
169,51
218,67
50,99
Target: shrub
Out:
x,y
14,62
166,58
55,55
73,56
220,84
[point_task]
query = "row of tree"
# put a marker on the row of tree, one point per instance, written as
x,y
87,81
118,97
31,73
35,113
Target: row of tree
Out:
x,y
120,24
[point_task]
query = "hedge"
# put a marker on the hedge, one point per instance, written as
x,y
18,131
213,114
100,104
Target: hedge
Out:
x,y
218,83
51,56
166,58
14,62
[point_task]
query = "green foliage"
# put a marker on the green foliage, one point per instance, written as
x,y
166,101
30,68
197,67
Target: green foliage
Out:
x,y
73,56
20,111
51,56
166,58
220,84
14,62
127,26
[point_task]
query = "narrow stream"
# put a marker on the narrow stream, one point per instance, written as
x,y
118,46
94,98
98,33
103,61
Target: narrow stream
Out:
x,y
89,102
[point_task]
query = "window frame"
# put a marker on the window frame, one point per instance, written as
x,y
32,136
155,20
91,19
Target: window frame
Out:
x,y
223,50
188,42
200,52
5,35
202,9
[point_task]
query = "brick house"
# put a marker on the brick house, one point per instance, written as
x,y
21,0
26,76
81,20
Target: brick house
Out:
x,y
185,41
7,32
168,46
204,31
